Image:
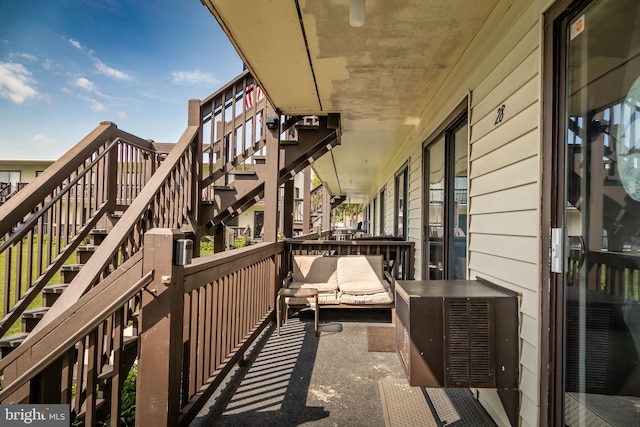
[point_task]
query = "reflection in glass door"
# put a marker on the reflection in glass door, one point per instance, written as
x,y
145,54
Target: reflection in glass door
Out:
x,y
602,216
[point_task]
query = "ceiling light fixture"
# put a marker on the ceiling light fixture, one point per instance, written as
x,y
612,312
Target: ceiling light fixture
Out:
x,y
356,13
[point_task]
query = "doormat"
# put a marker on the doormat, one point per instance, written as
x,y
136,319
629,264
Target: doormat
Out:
x,y
381,339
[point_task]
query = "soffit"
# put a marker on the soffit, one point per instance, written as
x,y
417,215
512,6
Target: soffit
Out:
x,y
379,77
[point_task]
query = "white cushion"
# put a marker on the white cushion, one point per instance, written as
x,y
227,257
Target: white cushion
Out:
x,y
323,298
380,298
326,287
315,269
361,275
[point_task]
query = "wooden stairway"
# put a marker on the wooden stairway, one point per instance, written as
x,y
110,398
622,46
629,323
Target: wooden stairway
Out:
x,y
53,291
246,187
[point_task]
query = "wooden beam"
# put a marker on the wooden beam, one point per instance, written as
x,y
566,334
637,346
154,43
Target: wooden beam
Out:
x,y
271,182
306,201
287,209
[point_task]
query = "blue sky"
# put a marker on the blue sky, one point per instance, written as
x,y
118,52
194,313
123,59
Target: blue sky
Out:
x,y
67,65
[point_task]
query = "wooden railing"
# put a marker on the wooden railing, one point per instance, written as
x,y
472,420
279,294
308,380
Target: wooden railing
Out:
x,y
398,255
233,122
93,327
33,372
43,224
166,201
611,273
195,322
228,299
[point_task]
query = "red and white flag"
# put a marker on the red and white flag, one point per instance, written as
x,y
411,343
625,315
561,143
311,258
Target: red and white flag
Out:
x,y
249,97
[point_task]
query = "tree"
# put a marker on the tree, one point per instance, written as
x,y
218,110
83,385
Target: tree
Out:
x,y
350,210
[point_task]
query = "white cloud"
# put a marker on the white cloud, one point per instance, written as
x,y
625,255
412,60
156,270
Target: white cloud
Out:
x,y
16,83
96,106
27,56
47,64
85,84
75,44
193,77
43,140
122,115
111,72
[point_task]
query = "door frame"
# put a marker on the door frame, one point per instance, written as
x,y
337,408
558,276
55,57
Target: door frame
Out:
x,y
458,113
552,209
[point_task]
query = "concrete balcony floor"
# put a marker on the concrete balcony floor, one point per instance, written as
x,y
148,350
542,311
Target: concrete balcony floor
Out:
x,y
332,380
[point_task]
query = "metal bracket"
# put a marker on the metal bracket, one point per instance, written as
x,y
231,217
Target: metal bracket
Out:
x,y
557,250
152,292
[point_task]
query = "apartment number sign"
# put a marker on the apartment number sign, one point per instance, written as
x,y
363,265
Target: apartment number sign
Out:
x,y
500,115
628,142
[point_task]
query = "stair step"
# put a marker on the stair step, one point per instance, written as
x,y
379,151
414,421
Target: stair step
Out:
x,y
308,122
98,235
30,318
83,253
288,142
51,293
69,271
240,179
11,342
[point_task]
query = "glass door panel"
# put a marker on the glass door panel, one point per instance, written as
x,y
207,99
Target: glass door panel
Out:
x,y
459,203
602,216
436,214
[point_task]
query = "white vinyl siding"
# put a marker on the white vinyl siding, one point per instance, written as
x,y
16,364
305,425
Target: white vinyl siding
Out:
x,y
504,191
501,67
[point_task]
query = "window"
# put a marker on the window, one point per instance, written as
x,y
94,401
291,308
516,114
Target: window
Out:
x,y
445,166
9,181
400,206
382,213
372,215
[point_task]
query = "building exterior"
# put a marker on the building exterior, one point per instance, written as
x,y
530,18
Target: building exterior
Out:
x,y
500,137
16,173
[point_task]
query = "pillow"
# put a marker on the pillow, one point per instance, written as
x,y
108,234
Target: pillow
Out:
x,y
361,275
315,269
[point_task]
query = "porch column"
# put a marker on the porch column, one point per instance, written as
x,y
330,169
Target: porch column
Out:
x,y
306,201
287,208
161,328
326,209
194,119
271,182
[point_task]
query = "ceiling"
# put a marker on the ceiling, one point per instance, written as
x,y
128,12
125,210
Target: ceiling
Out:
x,y
380,76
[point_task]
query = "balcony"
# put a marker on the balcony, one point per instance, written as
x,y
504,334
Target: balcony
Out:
x,y
206,347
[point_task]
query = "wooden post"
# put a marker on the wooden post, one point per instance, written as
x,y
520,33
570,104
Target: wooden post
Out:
x,y
161,317
271,183
112,178
287,208
306,201
326,209
194,119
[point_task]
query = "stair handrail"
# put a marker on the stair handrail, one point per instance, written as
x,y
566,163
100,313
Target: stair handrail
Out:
x,y
22,203
21,230
43,224
92,309
133,221
237,105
